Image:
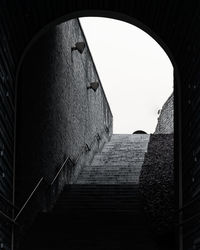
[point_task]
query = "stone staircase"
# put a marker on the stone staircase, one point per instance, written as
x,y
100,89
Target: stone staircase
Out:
x,y
103,209
119,162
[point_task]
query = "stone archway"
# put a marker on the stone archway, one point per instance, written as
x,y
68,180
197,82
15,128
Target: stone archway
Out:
x,y
169,20
27,53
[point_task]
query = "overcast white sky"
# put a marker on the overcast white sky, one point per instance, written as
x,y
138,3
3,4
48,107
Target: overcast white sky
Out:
x,y
136,73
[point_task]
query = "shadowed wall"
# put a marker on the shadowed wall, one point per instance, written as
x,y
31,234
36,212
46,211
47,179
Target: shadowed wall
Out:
x,y
57,114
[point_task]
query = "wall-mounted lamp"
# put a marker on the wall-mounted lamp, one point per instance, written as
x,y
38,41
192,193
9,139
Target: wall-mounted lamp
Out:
x,y
80,46
94,86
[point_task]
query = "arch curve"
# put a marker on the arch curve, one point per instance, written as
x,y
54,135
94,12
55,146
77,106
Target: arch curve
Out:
x,y
114,15
131,20
107,14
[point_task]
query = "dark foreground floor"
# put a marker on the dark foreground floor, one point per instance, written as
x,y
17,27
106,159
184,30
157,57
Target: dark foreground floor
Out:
x,y
93,217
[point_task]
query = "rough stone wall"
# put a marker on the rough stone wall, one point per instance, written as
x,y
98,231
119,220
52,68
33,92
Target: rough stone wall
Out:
x,y
165,123
157,176
157,183
57,114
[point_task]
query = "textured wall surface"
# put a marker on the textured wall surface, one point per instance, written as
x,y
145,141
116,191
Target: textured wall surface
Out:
x,y
157,176
57,114
165,123
157,183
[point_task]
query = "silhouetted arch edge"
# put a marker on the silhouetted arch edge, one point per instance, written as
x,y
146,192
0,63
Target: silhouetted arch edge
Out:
x,y
131,20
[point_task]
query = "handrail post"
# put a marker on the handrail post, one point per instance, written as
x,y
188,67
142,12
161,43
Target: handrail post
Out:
x,y
12,237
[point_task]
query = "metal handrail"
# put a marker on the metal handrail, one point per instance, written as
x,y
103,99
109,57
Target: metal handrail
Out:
x,y
61,168
6,217
34,190
78,156
54,179
189,219
8,202
13,221
190,203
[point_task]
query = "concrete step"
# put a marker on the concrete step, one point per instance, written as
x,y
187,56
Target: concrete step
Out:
x,y
129,137
112,174
120,153
93,217
103,209
119,162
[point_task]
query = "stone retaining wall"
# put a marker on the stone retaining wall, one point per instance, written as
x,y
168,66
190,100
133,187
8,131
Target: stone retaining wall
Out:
x,y
157,183
58,117
165,123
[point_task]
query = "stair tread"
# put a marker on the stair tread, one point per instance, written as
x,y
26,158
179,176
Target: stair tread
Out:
x,y
104,215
